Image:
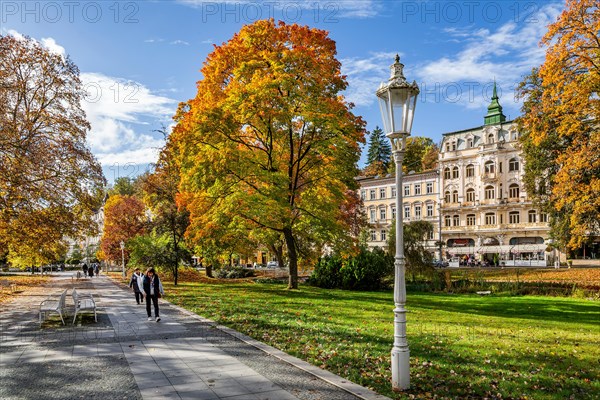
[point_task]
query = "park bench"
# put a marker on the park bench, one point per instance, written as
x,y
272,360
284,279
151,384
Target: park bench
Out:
x,y
83,302
53,304
5,283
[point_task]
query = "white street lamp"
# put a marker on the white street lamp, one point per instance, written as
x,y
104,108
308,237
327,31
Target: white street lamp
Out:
x,y
397,101
123,257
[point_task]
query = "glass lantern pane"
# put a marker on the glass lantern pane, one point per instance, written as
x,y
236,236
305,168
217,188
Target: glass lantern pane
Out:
x,y
385,112
399,106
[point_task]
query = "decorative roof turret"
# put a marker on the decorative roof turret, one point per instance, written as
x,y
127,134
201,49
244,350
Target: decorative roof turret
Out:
x,y
494,115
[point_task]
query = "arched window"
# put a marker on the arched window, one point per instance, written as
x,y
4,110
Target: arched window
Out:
x,y
456,220
470,219
471,195
490,192
447,196
447,220
490,138
470,170
531,214
455,196
489,167
513,164
447,173
490,219
513,191
454,172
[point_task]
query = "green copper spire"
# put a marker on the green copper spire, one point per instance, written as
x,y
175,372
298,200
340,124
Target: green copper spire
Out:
x,y
494,115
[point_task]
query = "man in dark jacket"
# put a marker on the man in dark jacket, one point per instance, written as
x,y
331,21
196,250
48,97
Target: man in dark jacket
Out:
x,y
152,288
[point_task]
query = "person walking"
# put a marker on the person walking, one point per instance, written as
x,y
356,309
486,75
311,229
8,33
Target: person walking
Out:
x,y
153,289
136,284
91,271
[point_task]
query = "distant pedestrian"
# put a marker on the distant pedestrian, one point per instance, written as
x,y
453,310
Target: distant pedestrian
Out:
x,y
91,271
97,269
153,289
136,284
84,267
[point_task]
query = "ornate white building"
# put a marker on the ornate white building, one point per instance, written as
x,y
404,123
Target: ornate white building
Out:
x,y
487,216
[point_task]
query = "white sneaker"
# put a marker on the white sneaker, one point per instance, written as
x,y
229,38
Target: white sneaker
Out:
x,y
157,319
150,319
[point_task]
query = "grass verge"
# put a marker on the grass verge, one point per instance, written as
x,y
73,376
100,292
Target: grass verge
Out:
x,y
462,346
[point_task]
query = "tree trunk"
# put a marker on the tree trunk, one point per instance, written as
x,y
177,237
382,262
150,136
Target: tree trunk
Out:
x,y
293,256
176,251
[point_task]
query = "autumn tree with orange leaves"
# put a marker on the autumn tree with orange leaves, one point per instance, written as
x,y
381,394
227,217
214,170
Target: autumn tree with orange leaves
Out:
x,y
268,143
50,183
124,218
561,141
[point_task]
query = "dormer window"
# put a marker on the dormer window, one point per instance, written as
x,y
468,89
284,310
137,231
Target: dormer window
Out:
x,y
490,138
470,143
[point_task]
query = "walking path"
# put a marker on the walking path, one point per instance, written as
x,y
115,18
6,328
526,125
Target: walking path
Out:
x,y
125,356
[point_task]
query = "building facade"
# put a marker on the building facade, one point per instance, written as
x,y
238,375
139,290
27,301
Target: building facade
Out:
x,y
476,201
487,217
420,197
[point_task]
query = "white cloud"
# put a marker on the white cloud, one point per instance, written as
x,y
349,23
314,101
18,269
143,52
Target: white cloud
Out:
x,y
53,47
183,42
118,110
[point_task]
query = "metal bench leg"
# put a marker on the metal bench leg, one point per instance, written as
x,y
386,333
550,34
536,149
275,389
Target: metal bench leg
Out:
x,y
61,317
95,316
75,316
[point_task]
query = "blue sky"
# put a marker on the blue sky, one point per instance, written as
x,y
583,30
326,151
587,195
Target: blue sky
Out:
x,y
139,59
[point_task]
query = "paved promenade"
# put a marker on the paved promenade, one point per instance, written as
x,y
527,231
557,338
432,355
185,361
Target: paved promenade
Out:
x,y
125,356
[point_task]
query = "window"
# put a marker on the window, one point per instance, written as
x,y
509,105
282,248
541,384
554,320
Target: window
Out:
x,y
456,220
417,212
383,235
513,191
514,135
393,212
417,189
447,146
455,196
531,216
489,167
500,167
513,217
446,173
372,194
393,192
382,193
471,195
470,219
455,173
453,146
430,210
490,138
447,197
363,194
430,235
373,215
490,193
470,142
543,217
406,190
513,165
406,211
447,220
490,219
373,235
382,213
429,188
470,171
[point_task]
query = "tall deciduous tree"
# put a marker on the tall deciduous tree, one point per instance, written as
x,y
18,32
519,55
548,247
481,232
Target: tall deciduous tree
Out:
x,y
50,183
561,140
160,190
269,140
379,153
124,218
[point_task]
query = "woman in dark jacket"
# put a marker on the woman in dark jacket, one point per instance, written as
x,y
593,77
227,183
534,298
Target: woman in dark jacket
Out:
x,y
152,288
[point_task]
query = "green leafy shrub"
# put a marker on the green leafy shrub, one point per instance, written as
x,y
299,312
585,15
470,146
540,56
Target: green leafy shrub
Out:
x,y
233,273
365,271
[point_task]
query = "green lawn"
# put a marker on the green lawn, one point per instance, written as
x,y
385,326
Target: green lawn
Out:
x,y
461,345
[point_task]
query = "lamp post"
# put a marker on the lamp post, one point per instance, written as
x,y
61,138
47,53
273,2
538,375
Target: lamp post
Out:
x,y
122,244
397,101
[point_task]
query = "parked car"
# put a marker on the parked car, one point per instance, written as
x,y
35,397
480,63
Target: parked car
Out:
x,y
272,264
440,264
